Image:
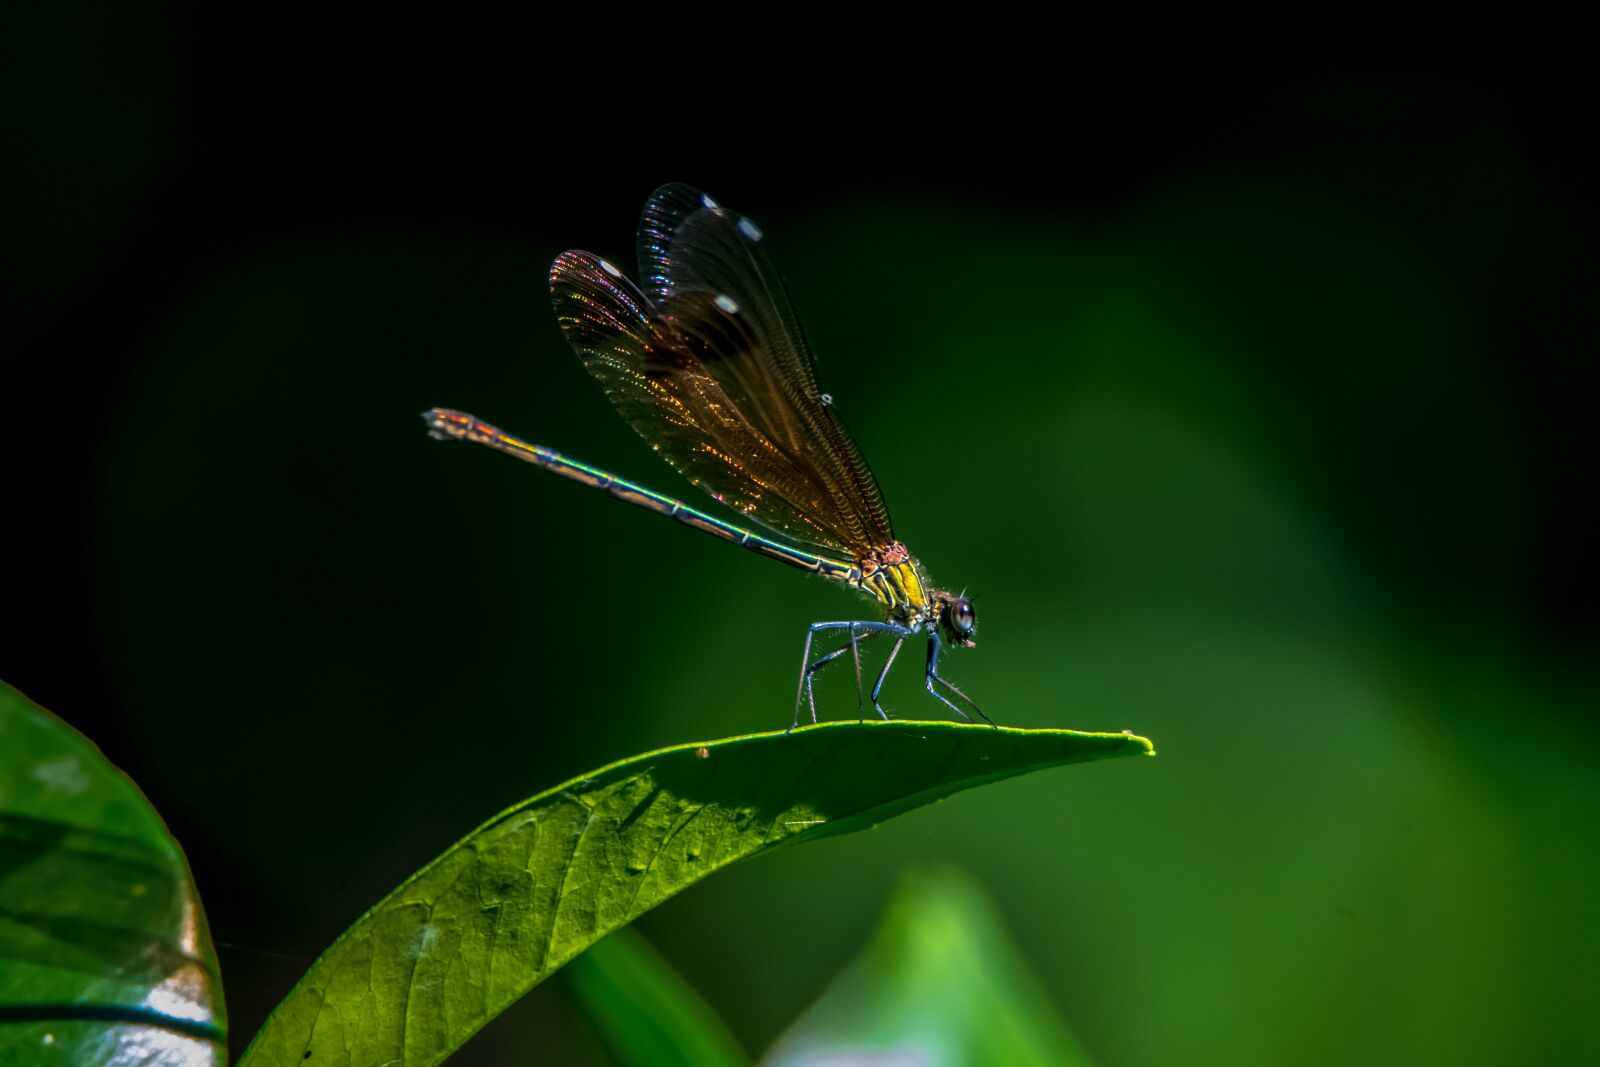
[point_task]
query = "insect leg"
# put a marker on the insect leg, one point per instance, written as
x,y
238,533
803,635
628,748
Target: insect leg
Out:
x,y
934,646
859,631
855,653
877,687
827,658
804,684
803,687
823,661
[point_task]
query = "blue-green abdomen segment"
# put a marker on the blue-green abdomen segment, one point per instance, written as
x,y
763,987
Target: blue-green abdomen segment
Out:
x,y
446,425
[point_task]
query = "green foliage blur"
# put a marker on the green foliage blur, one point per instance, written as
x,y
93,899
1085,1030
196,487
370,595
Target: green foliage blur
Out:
x,y
1235,458
643,1011
940,985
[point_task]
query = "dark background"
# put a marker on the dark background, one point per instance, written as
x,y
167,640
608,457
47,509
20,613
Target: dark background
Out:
x,y
1250,401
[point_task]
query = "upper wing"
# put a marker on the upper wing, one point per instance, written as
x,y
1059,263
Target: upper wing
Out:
x,y
651,369
712,369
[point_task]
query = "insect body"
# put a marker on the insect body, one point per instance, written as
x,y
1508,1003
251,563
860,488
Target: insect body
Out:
x,y
707,362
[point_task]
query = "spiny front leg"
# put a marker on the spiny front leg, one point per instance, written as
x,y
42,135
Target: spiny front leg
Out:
x,y
932,675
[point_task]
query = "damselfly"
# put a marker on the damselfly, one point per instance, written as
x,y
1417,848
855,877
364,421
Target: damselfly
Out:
x,y
707,362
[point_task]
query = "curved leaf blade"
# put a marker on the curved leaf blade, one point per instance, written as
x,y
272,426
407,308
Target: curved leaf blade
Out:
x,y
104,953
501,910
646,1014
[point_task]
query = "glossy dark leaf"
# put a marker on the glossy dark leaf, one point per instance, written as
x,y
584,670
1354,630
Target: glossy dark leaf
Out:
x,y
105,957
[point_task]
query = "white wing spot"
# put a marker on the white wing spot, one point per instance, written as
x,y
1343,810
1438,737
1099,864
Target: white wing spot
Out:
x,y
750,229
727,303
708,202
605,265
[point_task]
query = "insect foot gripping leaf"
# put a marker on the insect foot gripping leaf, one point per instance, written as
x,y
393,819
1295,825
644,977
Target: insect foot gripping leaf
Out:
x,y
504,908
104,954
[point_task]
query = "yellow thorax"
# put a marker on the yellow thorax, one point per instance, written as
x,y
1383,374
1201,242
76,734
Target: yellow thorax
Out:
x,y
895,578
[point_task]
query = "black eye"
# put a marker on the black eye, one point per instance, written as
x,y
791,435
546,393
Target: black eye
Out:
x,y
962,617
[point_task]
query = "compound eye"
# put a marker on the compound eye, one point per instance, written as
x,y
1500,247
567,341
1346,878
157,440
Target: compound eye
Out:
x,y
962,617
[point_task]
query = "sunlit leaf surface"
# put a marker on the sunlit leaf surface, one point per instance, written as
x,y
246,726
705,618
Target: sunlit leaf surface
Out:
x,y
104,954
501,910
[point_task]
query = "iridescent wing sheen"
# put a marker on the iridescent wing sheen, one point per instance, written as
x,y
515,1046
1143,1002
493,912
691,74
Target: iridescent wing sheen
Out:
x,y
691,248
710,366
651,361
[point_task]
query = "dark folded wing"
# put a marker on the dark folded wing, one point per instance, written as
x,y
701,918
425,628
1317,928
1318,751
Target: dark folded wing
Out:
x,y
700,259
652,362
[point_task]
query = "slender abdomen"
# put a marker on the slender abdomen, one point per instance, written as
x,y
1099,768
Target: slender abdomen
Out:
x,y
445,425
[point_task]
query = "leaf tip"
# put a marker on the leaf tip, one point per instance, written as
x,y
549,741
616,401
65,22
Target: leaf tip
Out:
x,y
1142,742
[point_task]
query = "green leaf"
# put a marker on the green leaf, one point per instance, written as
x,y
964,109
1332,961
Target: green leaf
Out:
x,y
529,890
940,985
645,1012
104,953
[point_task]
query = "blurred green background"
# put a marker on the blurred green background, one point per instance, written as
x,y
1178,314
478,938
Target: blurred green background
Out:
x,y
1253,413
